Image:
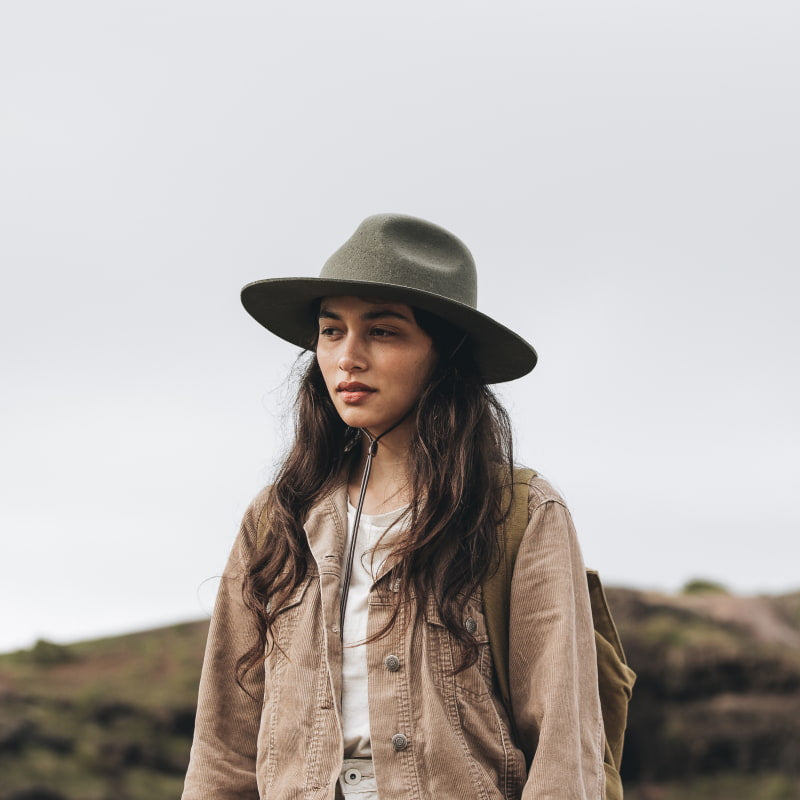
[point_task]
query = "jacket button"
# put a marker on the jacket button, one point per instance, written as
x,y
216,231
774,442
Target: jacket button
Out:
x,y
470,625
392,663
399,742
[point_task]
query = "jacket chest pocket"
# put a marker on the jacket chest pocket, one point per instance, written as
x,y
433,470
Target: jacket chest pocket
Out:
x,y
446,651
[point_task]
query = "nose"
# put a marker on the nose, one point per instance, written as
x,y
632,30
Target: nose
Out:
x,y
351,356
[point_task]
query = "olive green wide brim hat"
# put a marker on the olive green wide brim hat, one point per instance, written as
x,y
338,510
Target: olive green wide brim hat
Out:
x,y
401,259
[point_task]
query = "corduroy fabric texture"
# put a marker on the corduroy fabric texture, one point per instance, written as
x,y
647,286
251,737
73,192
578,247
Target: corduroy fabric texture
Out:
x,y
434,734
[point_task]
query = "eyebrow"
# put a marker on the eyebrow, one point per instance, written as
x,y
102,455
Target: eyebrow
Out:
x,y
326,313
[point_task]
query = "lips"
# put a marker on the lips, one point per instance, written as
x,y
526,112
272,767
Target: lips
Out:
x,y
353,392
354,386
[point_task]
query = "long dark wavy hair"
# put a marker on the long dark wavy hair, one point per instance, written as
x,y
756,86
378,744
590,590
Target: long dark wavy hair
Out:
x,y
460,456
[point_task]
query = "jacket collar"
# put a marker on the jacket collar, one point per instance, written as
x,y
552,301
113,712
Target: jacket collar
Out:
x,y
326,525
326,530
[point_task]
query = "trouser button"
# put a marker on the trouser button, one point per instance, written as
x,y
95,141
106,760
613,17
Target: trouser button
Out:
x,y
352,776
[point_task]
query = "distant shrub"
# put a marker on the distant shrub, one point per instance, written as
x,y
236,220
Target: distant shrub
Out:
x,y
703,586
15,734
36,793
44,652
107,711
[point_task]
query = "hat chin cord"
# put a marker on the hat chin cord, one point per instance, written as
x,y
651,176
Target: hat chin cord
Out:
x,y
372,451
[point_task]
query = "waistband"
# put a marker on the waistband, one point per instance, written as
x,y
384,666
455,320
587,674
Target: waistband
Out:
x,y
357,779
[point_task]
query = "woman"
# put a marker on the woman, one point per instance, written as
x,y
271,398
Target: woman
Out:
x,y
348,652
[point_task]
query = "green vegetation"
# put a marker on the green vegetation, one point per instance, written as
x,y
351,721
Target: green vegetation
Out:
x,y
727,786
44,652
679,632
152,669
703,586
104,720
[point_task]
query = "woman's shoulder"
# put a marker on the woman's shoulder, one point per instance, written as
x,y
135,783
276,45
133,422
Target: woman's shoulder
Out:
x,y
259,502
251,526
540,489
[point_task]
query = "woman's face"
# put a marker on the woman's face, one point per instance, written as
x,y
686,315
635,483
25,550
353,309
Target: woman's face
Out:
x,y
375,360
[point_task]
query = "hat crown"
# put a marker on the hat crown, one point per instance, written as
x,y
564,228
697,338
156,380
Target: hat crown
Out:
x,y
410,252
397,259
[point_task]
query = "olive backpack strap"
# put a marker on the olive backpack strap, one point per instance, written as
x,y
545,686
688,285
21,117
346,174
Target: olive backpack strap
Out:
x,y
615,681
615,677
497,585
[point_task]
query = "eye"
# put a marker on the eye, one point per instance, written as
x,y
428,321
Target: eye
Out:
x,y
327,330
382,333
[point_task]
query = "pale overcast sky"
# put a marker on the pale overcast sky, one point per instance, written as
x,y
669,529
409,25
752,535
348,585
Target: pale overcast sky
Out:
x,y
625,173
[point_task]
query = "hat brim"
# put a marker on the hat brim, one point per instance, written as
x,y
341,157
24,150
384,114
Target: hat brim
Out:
x,y
285,307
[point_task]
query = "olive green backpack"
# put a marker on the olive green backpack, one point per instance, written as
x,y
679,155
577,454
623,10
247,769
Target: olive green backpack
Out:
x,y
615,677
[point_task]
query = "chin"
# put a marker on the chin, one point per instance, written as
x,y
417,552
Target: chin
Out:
x,y
361,418
356,418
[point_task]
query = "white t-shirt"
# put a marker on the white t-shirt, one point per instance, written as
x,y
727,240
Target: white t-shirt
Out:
x,y
366,566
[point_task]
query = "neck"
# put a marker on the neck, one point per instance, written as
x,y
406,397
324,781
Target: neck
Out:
x,y
388,483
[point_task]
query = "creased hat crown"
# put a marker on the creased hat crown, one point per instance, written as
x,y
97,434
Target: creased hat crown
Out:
x,y
410,252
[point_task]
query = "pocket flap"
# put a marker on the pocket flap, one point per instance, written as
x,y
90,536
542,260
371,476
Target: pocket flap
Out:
x,y
296,597
473,618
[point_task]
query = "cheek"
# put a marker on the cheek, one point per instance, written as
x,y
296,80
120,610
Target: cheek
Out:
x,y
422,367
426,364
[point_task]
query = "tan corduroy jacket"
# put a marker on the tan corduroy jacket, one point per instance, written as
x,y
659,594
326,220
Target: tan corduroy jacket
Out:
x,y
434,735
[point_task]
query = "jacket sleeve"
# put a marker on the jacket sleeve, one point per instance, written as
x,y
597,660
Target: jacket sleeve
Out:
x,y
552,660
222,764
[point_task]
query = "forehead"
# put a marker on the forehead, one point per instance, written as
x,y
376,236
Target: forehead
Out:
x,y
370,307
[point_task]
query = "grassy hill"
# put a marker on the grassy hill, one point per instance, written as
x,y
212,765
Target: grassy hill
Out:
x,y
99,720
716,711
